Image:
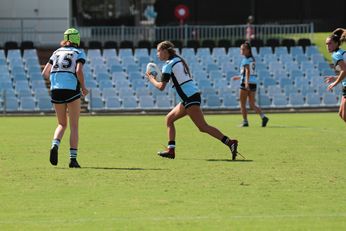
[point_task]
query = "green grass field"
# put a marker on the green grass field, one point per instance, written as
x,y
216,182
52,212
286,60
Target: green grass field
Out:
x,y
294,177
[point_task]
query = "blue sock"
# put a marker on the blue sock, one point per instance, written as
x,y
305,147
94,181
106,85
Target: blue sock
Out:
x,y
55,142
73,153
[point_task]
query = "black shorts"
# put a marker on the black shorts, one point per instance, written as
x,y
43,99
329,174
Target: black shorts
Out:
x,y
62,96
253,87
194,99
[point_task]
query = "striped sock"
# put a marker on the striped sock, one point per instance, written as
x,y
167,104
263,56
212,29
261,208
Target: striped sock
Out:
x,y
171,144
225,140
55,142
73,153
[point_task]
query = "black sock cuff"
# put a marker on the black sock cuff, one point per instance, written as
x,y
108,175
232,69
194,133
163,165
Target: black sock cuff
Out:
x,y
172,142
73,149
225,140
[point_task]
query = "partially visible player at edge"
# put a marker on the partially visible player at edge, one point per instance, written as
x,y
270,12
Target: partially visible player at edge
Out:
x,y
333,43
248,85
177,72
65,71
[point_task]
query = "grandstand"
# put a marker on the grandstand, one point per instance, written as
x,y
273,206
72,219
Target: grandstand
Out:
x,y
289,77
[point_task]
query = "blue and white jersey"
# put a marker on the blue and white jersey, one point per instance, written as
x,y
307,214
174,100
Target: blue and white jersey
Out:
x,y
63,73
337,56
173,70
248,61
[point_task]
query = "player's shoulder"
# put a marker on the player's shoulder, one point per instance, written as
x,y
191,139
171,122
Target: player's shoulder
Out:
x,y
337,55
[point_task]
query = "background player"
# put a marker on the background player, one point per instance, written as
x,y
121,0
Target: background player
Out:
x,y
65,71
248,84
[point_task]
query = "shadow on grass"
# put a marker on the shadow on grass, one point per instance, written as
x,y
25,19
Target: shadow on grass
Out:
x,y
227,160
125,169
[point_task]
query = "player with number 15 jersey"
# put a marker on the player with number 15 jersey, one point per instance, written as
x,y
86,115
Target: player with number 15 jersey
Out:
x,y
63,77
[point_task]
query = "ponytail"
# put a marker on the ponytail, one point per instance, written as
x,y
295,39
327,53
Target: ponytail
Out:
x,y
169,46
341,34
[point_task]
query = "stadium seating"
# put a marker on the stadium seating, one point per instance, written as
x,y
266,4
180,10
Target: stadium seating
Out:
x,y
288,78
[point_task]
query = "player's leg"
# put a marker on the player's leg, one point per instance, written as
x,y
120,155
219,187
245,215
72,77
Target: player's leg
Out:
x,y
196,115
74,113
253,106
342,109
60,110
176,113
243,94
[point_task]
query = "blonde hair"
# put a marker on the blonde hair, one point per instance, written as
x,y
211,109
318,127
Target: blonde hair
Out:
x,y
169,46
65,43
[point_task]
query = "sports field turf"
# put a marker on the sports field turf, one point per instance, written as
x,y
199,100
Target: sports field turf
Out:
x,y
294,177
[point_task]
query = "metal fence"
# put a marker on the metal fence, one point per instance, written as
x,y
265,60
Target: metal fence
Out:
x,y
197,32
43,31
48,31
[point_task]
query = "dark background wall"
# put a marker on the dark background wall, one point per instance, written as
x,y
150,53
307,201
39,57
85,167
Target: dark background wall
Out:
x,y
324,16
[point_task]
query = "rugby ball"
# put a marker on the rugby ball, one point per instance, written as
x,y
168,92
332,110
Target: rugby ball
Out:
x,y
154,70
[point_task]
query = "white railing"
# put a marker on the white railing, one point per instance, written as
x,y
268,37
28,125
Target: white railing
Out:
x,y
48,31
199,32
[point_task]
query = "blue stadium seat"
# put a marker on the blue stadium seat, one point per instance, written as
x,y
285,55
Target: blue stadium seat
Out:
x,y
203,52
230,101
96,103
329,99
141,52
311,50
11,104
212,67
219,51
280,51
146,102
125,91
142,91
187,52
313,100
27,104
264,101
280,101
94,53
213,101
125,52
296,100
296,50
44,104
163,102
109,92
265,50
109,53
130,102
113,103
106,83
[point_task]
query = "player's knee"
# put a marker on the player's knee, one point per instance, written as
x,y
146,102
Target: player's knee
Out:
x,y
203,128
63,125
169,120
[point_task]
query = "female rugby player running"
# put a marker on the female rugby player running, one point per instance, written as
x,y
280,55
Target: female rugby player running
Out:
x,y
65,70
177,71
333,43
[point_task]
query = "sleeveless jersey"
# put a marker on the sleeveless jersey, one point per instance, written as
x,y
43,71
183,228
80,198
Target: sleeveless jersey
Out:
x,y
63,73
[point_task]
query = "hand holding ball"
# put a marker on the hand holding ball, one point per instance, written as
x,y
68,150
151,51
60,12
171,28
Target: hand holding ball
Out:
x,y
154,70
